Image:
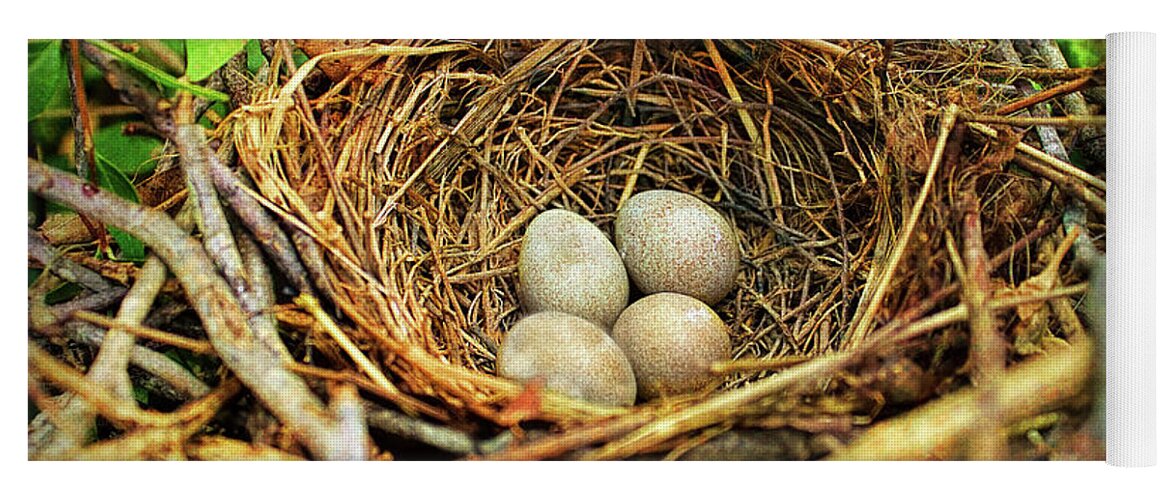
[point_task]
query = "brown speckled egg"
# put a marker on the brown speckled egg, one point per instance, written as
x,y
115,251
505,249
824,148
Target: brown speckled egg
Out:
x,y
573,356
567,264
671,341
674,242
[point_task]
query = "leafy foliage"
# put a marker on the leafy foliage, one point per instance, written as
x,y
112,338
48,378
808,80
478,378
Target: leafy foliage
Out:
x,y
131,154
204,57
1083,53
159,76
48,83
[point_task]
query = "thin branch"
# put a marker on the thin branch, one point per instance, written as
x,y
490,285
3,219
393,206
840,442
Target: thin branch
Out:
x,y
146,332
1072,121
42,251
1048,160
1045,95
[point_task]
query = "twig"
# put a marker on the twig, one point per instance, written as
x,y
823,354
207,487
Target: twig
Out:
x,y
398,398
122,412
988,351
222,448
156,442
757,364
406,426
1042,73
1046,159
1071,121
83,136
1067,184
823,46
310,304
40,250
110,366
560,444
184,384
83,131
146,332
258,221
1044,95
131,89
860,329
217,233
47,319
938,430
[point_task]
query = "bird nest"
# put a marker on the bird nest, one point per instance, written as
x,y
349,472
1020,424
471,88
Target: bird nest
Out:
x,y
902,232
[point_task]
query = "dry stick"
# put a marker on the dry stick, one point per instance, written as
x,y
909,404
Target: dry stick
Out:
x,y
398,398
933,300
217,233
131,89
220,448
938,430
83,132
1044,95
252,283
1049,160
259,299
1072,121
823,46
113,360
1074,104
632,178
770,172
717,408
988,352
412,428
135,330
153,443
47,319
560,444
1065,183
123,413
310,304
859,330
258,221
757,364
57,263
1043,73
225,322
184,384
83,136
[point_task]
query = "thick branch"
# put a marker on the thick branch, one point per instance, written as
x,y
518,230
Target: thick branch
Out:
x,y
261,369
942,429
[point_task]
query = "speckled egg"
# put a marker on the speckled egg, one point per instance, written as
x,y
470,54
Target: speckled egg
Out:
x,y
567,264
674,242
671,341
573,356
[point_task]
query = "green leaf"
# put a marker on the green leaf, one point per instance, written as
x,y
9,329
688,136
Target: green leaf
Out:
x,y
158,75
48,80
1083,53
204,57
111,179
141,395
255,56
131,154
63,293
